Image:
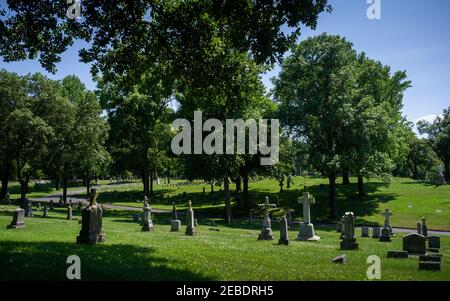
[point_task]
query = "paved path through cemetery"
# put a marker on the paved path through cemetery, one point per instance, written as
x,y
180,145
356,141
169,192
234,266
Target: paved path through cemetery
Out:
x,y
71,193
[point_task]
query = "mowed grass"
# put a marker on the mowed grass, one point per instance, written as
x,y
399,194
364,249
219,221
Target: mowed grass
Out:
x,y
40,251
407,200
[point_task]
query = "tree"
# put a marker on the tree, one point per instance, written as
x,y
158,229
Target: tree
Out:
x,y
421,160
27,141
180,31
13,95
373,117
58,112
138,115
313,91
438,138
89,137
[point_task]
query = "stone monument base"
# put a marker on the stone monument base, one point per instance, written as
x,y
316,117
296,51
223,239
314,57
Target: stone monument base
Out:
x,y
87,238
266,234
440,180
349,244
148,227
283,242
306,233
17,226
175,225
190,231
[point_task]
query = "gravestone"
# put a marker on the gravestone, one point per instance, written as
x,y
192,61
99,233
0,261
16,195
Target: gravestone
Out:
x,y
419,227
190,228
348,241
340,259
397,254
45,214
414,243
18,219
427,263
387,222
284,235
440,179
424,227
434,242
69,212
385,235
175,225
376,232
147,223
289,218
306,232
29,210
91,223
266,231
365,231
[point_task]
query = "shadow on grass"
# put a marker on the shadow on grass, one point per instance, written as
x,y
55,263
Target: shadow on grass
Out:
x,y
47,261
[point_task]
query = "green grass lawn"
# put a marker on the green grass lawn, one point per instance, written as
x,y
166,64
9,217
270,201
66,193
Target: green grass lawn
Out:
x,y
40,250
408,200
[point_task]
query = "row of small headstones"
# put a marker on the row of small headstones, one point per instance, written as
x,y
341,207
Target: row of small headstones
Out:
x,y
413,244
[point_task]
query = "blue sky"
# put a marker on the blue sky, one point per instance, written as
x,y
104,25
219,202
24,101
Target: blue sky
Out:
x,y
411,35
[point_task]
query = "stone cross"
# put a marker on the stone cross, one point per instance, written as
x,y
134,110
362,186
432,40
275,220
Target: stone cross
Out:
x,y
266,206
306,200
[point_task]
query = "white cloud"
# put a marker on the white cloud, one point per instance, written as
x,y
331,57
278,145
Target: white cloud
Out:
x,y
428,118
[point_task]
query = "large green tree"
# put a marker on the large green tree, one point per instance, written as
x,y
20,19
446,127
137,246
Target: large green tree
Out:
x,y
313,90
345,106
438,138
13,95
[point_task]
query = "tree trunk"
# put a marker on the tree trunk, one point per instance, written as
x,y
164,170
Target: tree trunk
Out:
x,y
88,186
145,181
6,171
58,183
65,185
226,187
238,192
245,191
345,177
332,196
361,187
447,168
23,193
151,183
212,187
